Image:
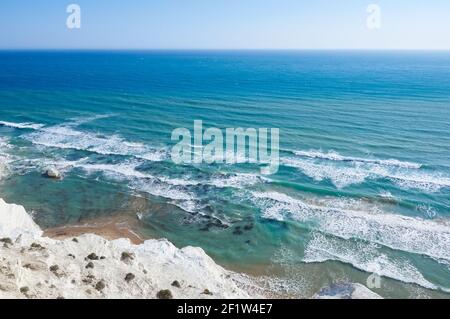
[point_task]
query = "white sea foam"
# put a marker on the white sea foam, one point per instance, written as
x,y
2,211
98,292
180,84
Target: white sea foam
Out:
x,y
66,137
31,126
339,176
387,195
355,219
238,180
364,256
345,174
86,119
334,156
220,180
5,158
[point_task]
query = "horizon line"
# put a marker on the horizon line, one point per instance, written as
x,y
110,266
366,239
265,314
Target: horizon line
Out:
x,y
229,49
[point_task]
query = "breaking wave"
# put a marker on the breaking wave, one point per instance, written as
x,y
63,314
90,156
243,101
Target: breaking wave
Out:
x,y
346,171
366,257
4,158
31,126
66,137
349,219
334,156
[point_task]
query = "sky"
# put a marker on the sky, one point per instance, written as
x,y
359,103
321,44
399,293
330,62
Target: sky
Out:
x,y
225,24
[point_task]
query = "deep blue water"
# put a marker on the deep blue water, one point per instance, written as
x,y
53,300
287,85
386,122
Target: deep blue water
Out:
x,y
364,185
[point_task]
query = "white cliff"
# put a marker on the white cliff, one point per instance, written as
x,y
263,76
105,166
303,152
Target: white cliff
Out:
x,y
89,266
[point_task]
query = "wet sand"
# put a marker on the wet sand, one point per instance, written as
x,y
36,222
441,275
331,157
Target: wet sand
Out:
x,y
110,228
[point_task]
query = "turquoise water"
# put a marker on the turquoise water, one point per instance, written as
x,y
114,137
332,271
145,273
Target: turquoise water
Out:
x,y
364,181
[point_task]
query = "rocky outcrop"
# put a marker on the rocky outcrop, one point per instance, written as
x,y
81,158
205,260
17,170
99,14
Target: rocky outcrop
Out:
x,y
32,266
52,173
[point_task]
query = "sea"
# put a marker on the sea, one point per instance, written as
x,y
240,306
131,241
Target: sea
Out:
x,y
362,193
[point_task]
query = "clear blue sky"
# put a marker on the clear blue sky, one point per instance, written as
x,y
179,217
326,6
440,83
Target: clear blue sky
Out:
x,y
225,24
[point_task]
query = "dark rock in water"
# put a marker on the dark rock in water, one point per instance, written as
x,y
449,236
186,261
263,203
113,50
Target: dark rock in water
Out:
x,y
176,284
75,240
90,265
238,231
102,257
164,294
248,242
212,222
248,227
100,285
71,256
126,256
129,277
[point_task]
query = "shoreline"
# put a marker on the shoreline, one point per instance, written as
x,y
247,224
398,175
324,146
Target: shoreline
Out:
x,y
121,226
101,261
110,228
90,266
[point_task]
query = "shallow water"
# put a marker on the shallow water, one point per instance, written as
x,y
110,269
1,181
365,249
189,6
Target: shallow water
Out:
x,y
365,177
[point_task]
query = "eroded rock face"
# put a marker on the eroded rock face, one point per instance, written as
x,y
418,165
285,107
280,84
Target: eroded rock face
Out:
x,y
32,266
346,291
15,222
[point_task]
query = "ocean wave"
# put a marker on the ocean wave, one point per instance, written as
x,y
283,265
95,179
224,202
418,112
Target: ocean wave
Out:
x,y
334,156
77,121
220,180
366,257
340,176
140,181
66,137
31,126
349,219
5,158
356,173
4,144
237,180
